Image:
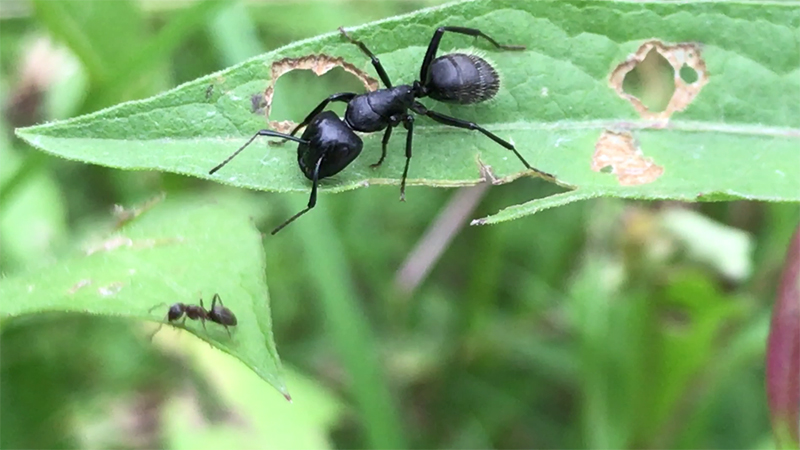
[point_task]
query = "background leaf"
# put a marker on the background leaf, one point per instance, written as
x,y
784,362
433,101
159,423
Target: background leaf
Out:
x,y
166,256
738,139
254,413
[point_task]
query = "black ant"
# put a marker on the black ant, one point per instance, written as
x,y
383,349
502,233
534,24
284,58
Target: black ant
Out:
x,y
218,313
329,143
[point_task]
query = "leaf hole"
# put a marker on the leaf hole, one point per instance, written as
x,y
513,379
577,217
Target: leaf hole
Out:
x,y
652,81
688,75
298,92
620,152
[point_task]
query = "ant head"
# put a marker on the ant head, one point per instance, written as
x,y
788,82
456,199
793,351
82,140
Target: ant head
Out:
x,y
176,311
329,137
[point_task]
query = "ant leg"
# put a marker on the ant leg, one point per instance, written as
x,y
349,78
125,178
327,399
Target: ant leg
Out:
x,y
437,37
341,97
459,123
375,61
408,123
384,143
216,299
312,201
269,133
205,313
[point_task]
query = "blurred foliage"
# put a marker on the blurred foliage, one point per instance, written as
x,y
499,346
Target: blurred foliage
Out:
x,y
594,325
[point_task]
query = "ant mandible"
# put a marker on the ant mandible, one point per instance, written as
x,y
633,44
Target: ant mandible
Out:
x,y
218,314
329,144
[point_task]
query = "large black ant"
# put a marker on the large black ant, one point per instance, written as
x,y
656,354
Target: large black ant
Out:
x,y
218,313
329,143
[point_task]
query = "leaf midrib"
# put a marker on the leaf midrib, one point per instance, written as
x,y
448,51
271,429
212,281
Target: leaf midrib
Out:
x,y
595,124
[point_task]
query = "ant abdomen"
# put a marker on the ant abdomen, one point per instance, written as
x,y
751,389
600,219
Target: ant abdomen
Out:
x,y
462,78
330,143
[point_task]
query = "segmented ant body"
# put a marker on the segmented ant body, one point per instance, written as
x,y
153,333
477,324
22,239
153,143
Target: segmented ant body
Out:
x,y
218,314
329,143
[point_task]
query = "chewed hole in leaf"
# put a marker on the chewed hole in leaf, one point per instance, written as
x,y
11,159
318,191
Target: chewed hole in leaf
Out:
x,y
618,153
644,78
318,65
651,81
298,92
688,74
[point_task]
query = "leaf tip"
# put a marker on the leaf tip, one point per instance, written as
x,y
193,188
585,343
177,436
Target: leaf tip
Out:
x,y
21,132
29,135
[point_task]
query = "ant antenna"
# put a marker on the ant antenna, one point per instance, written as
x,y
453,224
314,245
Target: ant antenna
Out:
x,y
160,324
157,306
269,133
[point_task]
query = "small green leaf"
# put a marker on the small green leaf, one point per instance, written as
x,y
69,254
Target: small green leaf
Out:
x,y
266,421
737,139
176,252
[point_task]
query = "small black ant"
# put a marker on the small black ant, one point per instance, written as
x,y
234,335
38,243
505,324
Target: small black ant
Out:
x,y
329,144
218,313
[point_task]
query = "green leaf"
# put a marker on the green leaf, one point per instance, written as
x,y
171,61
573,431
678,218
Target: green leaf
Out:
x,y
167,255
737,139
266,421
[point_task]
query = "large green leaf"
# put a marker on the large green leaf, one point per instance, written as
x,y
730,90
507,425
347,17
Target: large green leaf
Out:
x,y
166,256
738,139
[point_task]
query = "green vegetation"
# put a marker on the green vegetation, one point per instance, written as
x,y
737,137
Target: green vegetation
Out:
x,y
602,323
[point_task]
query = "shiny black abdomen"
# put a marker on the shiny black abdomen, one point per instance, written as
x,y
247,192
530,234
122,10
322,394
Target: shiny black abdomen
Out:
x,y
462,78
223,316
331,139
370,112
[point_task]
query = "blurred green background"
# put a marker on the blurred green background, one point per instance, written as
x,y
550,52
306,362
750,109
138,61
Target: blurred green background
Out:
x,y
602,324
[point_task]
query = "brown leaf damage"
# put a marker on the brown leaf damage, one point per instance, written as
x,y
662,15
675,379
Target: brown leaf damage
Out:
x,y
678,55
320,65
621,152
